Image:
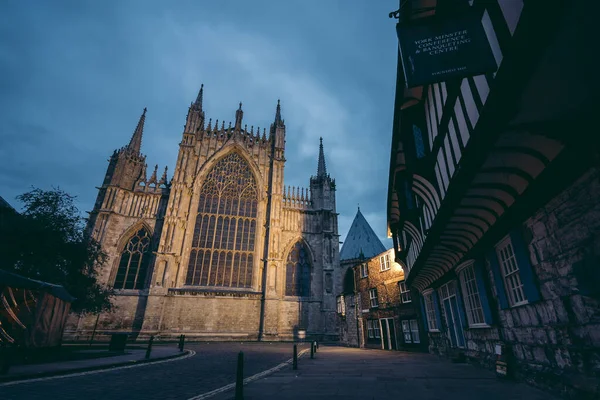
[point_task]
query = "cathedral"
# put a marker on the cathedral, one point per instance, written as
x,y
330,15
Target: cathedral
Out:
x,y
222,250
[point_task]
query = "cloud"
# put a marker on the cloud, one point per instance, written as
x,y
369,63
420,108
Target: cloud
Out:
x,y
84,73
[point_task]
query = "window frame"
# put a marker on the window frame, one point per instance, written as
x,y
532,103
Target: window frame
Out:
x,y
515,274
430,311
406,291
468,295
364,270
142,264
384,262
373,299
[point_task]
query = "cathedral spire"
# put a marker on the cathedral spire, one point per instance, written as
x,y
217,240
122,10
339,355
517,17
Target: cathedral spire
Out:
x,y
321,168
135,144
198,102
278,120
239,114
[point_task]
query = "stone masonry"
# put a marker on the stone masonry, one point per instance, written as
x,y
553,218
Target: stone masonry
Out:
x,y
166,304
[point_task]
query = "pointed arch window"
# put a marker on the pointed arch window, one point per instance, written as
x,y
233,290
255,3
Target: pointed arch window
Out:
x,y
297,273
134,262
223,240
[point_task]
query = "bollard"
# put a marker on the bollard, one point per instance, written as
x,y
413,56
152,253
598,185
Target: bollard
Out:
x,y
295,359
149,349
239,380
181,342
317,343
312,349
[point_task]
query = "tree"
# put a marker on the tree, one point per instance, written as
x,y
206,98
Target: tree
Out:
x,y
48,242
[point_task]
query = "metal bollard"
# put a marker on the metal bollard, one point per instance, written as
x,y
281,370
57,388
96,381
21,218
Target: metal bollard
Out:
x,y
149,349
312,349
239,380
315,344
295,359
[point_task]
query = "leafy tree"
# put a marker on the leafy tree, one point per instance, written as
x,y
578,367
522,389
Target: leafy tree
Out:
x,y
48,242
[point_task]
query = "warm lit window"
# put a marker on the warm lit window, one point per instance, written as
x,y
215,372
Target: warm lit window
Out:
x,y
341,306
471,296
223,239
404,293
510,272
384,262
430,310
373,297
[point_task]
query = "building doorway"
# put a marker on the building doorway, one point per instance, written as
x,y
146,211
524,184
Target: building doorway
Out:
x,y
388,334
451,315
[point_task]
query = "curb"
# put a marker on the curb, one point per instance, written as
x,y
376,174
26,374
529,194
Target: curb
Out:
x,y
24,377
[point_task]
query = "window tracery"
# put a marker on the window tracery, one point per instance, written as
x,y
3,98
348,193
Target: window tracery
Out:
x,y
223,240
134,261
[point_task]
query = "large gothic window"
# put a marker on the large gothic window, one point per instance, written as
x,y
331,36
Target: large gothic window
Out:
x,y
134,262
297,272
223,242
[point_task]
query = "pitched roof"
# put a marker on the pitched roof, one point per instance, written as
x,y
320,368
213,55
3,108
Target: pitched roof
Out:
x,y
361,238
5,204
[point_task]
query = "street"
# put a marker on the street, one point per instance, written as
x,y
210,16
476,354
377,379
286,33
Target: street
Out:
x,y
213,366
336,372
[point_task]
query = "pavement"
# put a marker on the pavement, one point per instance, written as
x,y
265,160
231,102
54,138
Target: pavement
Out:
x,y
208,371
131,356
349,373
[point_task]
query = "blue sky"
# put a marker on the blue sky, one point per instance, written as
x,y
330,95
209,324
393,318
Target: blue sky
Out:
x,y
76,75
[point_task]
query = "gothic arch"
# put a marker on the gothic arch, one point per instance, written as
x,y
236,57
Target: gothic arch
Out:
x,y
132,267
211,161
298,269
129,232
224,238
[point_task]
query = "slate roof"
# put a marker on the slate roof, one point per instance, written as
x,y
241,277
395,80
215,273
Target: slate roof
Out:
x,y
361,237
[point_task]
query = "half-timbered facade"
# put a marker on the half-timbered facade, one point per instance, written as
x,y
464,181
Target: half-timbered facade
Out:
x,y
493,194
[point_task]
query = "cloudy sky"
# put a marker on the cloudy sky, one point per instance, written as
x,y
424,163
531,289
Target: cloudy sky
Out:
x,y
75,76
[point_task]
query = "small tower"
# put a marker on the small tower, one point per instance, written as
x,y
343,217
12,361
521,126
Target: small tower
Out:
x,y
194,123
126,165
322,187
277,133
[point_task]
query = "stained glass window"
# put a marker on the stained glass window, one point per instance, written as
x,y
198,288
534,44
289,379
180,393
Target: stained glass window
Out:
x,y
223,240
134,262
297,273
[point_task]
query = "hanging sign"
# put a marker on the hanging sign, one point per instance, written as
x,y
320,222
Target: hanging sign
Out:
x,y
435,49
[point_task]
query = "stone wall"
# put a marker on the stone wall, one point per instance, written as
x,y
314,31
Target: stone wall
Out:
x,y
348,323
553,343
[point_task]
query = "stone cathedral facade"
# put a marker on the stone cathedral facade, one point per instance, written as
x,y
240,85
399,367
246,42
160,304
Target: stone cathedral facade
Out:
x,y
222,251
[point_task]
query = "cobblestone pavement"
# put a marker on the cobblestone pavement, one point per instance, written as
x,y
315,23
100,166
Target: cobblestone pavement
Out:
x,y
213,366
345,373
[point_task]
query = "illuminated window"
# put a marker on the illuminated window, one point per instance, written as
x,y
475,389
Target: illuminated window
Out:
x,y
223,240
